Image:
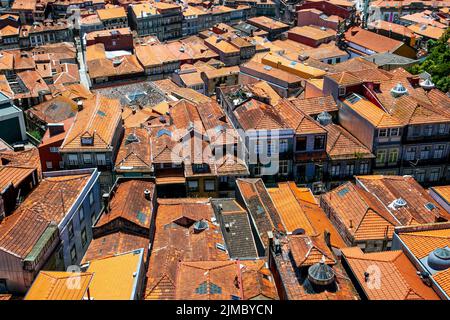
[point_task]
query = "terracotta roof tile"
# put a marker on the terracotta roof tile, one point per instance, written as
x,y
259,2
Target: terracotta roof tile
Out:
x,y
115,243
389,188
129,203
99,120
175,241
53,285
343,145
135,155
398,279
44,205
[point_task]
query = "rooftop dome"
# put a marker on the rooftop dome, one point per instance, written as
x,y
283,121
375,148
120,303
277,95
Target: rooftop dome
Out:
x,y
321,274
324,118
427,84
439,259
399,90
200,226
132,138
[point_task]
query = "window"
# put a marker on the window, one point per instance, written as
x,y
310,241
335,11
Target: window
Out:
x,y
283,167
439,151
416,130
364,168
441,129
341,91
428,130
61,164
394,132
87,158
101,159
283,145
349,169
81,214
257,170
70,229
425,152
382,133
54,149
335,170
434,174
419,175
393,156
381,156
338,60
319,142
49,164
210,185
301,144
91,198
87,141
83,237
73,159
73,254
193,185
410,153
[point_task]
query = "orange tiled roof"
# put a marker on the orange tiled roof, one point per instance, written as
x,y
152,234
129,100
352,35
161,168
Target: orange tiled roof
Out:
x,y
13,175
115,243
111,13
343,145
371,40
25,158
360,213
129,203
257,115
373,114
115,277
443,192
289,209
308,250
45,204
297,119
398,279
55,285
389,188
134,155
99,119
175,240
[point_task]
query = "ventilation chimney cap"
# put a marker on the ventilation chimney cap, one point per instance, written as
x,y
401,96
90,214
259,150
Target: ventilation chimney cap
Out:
x,y
427,84
399,90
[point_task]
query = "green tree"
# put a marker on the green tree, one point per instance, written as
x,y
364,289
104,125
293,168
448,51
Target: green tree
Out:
x,y
437,63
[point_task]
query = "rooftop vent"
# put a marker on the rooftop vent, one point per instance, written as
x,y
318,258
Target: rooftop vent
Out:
x,y
268,68
399,90
439,259
398,203
199,226
131,138
321,274
324,118
147,194
427,84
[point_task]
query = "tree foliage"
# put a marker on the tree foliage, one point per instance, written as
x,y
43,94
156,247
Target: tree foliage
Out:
x,y
437,63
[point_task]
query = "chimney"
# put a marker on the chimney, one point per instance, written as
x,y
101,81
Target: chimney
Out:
x,y
147,194
351,224
105,198
80,105
55,128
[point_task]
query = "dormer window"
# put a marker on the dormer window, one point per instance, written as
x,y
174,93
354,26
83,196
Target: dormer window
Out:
x,y
200,168
87,141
